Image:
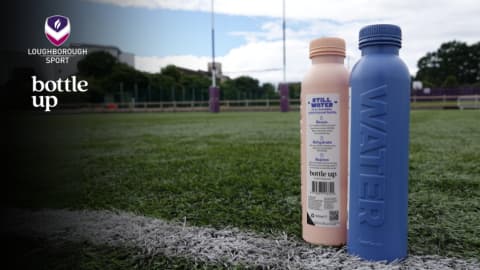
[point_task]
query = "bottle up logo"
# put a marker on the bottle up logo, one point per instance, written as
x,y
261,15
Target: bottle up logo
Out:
x,y
57,31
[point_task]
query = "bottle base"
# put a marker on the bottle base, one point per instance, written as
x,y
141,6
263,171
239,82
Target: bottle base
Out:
x,y
334,237
376,256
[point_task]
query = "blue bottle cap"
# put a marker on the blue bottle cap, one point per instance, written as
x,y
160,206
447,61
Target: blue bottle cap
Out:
x,y
380,34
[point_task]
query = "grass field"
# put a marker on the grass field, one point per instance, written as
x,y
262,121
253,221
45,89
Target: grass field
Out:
x,y
238,169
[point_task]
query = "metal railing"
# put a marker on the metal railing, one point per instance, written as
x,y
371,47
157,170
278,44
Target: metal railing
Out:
x,y
182,106
436,102
416,102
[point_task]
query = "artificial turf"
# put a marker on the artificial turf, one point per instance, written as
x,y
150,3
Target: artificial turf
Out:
x,y
39,254
236,169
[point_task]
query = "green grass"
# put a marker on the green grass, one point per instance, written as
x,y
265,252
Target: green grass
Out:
x,y
240,169
444,191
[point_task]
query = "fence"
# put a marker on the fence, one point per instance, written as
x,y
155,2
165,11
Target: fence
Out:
x,y
181,106
417,102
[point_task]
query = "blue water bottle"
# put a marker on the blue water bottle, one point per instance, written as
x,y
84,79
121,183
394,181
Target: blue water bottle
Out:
x,y
380,107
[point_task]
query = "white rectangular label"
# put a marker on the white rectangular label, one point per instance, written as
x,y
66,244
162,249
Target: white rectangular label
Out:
x,y
323,159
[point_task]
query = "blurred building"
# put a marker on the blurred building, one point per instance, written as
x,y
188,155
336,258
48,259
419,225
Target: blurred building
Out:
x,y
65,70
218,71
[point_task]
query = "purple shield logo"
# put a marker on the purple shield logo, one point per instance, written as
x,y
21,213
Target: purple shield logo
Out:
x,y
57,29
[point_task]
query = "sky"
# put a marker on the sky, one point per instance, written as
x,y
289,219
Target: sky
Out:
x,y
248,37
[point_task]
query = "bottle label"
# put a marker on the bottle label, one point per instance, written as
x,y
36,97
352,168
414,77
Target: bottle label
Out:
x,y
323,159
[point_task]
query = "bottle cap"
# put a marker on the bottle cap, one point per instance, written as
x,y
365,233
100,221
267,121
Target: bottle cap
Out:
x,y
380,34
327,46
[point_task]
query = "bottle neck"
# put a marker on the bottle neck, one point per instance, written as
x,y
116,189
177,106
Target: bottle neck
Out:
x,y
321,59
380,49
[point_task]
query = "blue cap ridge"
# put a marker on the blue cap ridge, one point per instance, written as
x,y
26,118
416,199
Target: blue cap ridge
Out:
x,y
380,34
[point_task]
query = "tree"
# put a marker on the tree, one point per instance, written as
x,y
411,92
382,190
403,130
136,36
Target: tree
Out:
x,y
450,82
161,86
243,87
247,86
105,75
228,90
268,91
97,64
172,72
196,86
294,90
453,58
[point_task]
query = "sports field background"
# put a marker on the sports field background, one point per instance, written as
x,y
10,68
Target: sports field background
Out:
x,y
232,170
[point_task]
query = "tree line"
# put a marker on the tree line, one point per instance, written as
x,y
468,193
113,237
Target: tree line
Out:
x,y
110,80
455,64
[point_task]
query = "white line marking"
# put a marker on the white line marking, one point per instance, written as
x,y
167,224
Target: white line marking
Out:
x,y
226,247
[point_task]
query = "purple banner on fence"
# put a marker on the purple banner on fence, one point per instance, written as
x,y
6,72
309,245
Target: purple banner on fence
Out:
x,y
284,94
214,100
